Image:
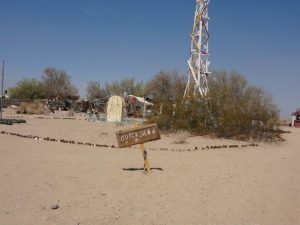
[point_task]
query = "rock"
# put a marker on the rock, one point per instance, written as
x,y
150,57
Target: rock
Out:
x,y
54,206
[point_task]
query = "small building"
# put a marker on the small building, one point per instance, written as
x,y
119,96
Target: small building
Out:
x,y
296,119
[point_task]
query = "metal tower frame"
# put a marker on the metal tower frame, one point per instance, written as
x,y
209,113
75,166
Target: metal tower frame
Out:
x,y
199,57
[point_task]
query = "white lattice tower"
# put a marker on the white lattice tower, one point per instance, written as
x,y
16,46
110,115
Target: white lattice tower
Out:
x,y
199,56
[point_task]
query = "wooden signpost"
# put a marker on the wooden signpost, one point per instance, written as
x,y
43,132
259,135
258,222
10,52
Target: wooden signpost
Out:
x,y
139,135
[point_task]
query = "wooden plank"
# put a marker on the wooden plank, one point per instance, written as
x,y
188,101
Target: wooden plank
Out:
x,y
137,135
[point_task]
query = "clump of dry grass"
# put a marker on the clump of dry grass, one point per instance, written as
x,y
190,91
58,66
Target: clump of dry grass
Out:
x,y
70,113
180,136
103,133
35,107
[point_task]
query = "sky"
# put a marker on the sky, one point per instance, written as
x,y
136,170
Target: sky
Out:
x,y
105,40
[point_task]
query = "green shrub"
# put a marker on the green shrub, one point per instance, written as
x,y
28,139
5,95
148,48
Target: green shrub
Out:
x,y
232,109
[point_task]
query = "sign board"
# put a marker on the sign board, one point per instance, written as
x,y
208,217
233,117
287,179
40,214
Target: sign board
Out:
x,y
137,135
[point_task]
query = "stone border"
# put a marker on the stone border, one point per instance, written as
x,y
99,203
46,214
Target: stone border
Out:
x,y
214,147
37,138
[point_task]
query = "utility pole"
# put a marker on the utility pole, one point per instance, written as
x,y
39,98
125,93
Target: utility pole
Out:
x,y
2,86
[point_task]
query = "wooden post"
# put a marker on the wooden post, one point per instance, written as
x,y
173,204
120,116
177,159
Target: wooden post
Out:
x,y
146,161
139,135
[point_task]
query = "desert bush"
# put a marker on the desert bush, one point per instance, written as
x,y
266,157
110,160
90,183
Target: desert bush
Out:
x,y
180,136
94,90
57,84
70,113
239,108
35,107
27,89
178,115
166,85
127,85
233,109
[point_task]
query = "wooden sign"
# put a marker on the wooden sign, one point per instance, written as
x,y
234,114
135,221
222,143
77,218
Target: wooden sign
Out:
x,y
137,135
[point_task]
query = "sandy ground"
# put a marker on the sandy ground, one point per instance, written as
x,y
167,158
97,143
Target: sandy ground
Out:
x,y
93,186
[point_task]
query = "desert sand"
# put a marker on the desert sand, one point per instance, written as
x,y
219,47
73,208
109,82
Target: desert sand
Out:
x,y
95,185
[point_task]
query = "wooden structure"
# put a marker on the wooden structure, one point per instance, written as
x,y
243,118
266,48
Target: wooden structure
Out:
x,y
139,135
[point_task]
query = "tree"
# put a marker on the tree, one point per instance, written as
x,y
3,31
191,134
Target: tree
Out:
x,y
95,91
236,106
57,84
166,85
27,89
127,85
233,108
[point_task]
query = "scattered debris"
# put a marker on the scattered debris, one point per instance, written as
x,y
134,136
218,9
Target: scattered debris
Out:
x,y
11,121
